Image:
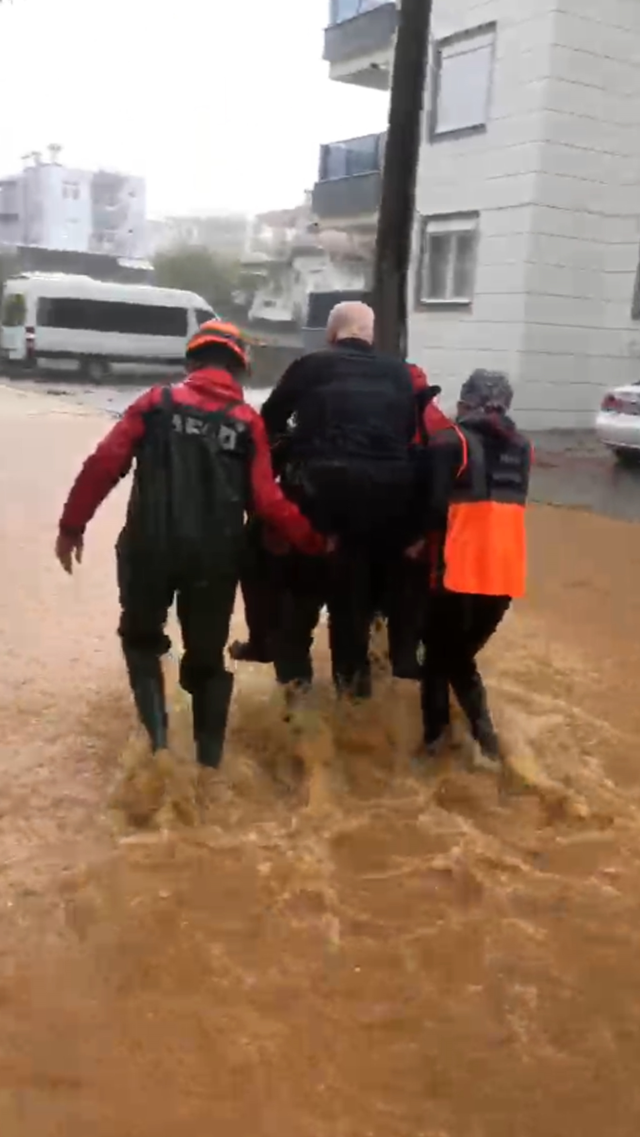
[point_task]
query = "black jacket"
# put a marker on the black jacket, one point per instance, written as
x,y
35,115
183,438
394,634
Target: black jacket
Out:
x,y
482,457
346,402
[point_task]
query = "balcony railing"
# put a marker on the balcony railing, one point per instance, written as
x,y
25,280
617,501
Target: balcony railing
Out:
x,y
341,10
349,179
352,157
359,29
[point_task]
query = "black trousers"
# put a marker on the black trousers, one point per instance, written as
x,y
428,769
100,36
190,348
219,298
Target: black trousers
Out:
x,y
457,627
204,611
355,583
300,590
259,584
365,504
403,601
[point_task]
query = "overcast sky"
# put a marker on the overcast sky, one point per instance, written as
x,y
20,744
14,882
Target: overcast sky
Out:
x,y
218,103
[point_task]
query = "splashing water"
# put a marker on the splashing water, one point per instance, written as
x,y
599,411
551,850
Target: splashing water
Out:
x,y
326,938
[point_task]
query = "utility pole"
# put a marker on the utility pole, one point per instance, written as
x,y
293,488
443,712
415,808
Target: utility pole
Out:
x,y
397,204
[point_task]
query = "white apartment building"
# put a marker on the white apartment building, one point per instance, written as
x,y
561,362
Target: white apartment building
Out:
x,y
287,259
528,198
54,206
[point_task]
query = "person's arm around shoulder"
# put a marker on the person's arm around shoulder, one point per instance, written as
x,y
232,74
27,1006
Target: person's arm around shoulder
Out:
x,y
271,505
110,461
281,403
441,462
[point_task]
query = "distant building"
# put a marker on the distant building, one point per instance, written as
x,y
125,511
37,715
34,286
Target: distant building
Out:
x,y
52,206
288,259
223,233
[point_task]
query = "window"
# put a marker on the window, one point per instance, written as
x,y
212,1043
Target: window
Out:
x,y
463,67
448,259
203,315
342,10
353,157
13,310
111,316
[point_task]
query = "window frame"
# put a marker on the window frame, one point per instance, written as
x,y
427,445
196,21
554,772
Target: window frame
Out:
x,y
440,46
87,314
362,6
13,310
472,219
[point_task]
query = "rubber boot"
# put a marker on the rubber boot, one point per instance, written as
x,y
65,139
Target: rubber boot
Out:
x,y
248,651
147,684
211,701
483,732
294,699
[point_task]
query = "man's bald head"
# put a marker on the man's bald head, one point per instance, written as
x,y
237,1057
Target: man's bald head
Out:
x,y
351,320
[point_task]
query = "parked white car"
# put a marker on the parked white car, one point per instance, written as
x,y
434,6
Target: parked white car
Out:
x,y
618,421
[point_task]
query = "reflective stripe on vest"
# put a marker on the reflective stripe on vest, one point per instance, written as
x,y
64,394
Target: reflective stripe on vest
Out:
x,y
485,547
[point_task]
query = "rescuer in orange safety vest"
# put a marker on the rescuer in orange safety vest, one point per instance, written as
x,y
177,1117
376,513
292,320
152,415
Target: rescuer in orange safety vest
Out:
x,y
475,478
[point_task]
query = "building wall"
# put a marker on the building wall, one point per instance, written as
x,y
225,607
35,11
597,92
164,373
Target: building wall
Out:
x,y
58,209
555,179
585,234
494,173
118,215
11,211
64,207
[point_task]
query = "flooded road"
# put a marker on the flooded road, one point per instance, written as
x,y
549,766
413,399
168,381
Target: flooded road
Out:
x,y
323,941
572,468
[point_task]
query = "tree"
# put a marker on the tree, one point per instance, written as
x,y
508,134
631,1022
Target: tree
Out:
x,y
196,269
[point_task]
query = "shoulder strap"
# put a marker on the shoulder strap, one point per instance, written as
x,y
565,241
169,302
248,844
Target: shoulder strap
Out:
x,y
464,462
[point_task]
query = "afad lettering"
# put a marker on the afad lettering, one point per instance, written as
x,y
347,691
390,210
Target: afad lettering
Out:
x,y
227,436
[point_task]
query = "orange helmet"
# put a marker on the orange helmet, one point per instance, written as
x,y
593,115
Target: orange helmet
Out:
x,y
217,331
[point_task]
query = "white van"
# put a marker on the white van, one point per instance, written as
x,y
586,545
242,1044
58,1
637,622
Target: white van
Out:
x,y
55,321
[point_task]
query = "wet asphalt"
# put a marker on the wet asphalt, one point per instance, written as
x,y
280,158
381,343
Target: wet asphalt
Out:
x,y
571,469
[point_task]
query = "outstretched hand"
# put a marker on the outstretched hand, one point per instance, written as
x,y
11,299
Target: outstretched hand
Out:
x,y
68,550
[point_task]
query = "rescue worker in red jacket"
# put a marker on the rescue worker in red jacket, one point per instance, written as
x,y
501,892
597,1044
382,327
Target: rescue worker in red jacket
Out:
x,y
475,476
201,460
432,418
405,604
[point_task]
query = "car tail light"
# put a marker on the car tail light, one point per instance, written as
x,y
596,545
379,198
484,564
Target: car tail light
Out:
x,y
30,343
612,404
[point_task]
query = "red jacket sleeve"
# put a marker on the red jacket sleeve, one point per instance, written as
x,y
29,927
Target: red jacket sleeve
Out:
x,y
269,501
418,377
435,419
104,468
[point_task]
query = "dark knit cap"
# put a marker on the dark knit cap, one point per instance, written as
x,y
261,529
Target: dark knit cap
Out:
x,y
487,390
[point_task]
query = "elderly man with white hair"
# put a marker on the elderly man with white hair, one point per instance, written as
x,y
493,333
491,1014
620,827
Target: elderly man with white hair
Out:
x,y
349,416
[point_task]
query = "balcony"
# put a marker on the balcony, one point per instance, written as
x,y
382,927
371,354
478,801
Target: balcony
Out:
x,y
358,44
349,181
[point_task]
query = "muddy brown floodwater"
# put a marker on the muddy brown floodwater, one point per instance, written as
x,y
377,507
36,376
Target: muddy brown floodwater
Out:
x,y
322,942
